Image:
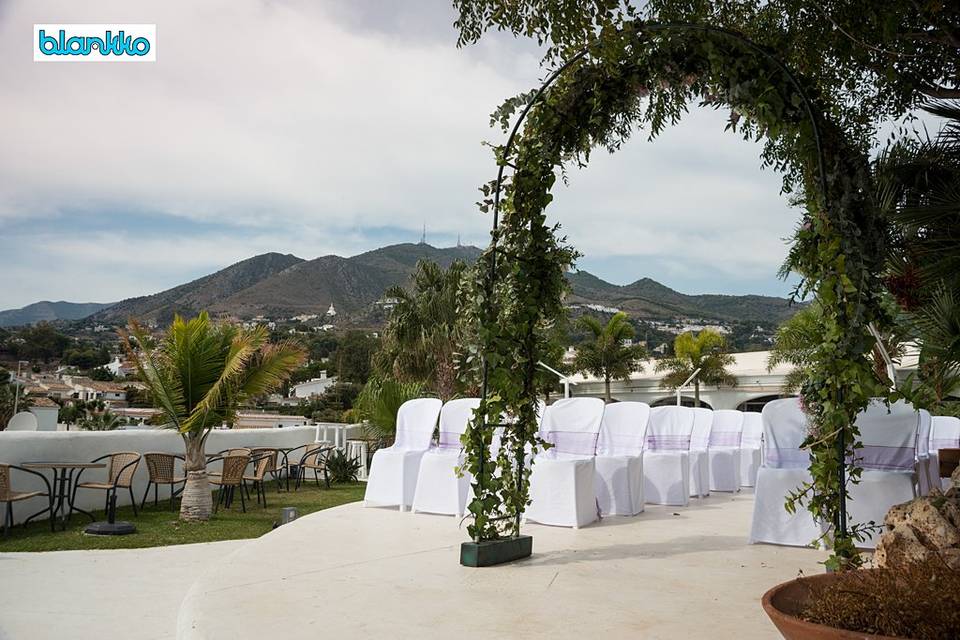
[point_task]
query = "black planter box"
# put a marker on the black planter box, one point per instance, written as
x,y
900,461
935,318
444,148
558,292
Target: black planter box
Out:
x,y
492,552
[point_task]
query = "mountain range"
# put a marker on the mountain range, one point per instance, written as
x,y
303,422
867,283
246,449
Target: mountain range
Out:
x,y
49,311
282,285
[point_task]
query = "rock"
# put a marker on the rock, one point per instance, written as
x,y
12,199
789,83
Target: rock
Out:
x,y
955,478
900,546
922,528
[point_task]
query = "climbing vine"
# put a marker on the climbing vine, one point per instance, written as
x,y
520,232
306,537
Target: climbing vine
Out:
x,y
647,74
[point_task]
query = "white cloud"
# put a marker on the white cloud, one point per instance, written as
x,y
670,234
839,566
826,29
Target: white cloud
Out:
x,y
299,127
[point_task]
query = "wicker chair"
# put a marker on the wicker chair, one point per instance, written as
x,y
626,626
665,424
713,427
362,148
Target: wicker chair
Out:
x,y
161,468
120,472
229,478
262,465
273,466
9,496
315,458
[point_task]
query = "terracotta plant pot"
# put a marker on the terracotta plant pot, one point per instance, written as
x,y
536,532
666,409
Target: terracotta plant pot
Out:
x,y
784,602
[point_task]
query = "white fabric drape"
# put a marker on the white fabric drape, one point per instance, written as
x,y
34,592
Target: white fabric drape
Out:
x,y
888,457
784,469
619,461
699,459
439,490
724,451
393,471
666,457
928,462
944,434
562,489
750,443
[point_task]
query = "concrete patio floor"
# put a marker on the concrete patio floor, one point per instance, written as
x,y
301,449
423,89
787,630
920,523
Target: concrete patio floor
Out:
x,y
377,573
128,593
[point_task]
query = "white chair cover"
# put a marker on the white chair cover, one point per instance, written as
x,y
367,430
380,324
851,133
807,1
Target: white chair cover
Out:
x,y
699,459
750,445
562,480
666,457
724,450
928,462
944,434
784,469
888,458
619,461
393,471
439,490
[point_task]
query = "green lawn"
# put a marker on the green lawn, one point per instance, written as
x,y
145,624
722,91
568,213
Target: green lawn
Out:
x,y
158,526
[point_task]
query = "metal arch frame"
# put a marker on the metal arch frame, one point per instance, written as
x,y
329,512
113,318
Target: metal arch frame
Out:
x,y
808,106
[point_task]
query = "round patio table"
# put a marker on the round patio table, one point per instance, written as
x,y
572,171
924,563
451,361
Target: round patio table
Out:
x,y
62,488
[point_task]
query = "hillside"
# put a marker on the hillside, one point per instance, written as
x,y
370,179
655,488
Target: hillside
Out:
x,y
350,284
47,311
202,293
647,298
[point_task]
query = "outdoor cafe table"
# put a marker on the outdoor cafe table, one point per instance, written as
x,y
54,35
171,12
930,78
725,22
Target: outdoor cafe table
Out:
x,y
62,488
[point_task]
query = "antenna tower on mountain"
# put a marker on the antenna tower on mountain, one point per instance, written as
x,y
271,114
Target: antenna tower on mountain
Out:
x,y
423,238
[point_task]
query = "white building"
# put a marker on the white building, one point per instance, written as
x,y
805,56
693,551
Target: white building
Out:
x,y
313,387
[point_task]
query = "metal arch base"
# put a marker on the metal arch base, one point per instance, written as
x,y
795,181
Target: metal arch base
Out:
x,y
493,552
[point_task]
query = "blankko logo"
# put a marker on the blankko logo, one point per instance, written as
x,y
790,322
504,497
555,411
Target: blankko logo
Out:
x,y
94,42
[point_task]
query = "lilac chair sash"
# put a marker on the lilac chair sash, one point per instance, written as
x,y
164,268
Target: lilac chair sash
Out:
x,y
787,458
581,443
725,438
664,442
944,443
449,440
880,458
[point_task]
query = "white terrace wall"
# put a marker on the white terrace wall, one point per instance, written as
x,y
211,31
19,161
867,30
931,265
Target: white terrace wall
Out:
x,y
83,446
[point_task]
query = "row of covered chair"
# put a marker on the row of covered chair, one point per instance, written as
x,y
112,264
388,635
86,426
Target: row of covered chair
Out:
x,y
897,451
609,459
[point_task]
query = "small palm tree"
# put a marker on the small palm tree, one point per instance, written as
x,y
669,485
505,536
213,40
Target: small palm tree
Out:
x,y
425,329
706,351
378,404
103,421
605,354
795,344
198,374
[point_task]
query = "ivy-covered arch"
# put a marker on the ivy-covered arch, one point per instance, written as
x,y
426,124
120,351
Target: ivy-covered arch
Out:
x,y
648,73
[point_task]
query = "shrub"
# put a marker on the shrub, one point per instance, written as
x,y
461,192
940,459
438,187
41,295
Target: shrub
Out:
x,y
342,469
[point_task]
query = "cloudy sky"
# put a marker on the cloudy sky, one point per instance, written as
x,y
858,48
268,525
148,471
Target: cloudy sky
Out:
x,y
326,127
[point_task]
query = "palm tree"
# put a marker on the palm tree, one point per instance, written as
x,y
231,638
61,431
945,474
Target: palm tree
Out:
x,y
198,374
425,329
605,354
706,351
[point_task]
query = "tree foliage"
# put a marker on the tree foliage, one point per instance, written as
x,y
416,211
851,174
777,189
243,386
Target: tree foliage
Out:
x,y
604,354
354,356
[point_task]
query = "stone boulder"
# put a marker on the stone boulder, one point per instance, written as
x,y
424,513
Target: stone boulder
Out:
x,y
922,528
